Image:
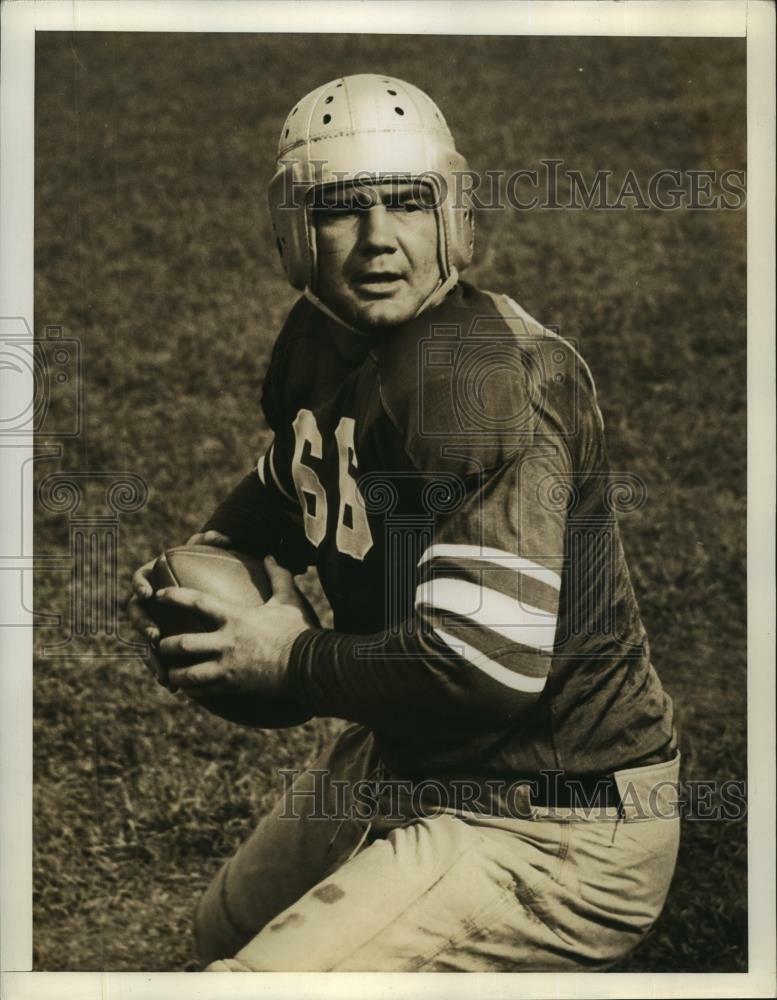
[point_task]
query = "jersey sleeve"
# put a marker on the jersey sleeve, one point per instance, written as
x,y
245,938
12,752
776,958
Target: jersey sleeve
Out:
x,y
262,519
479,647
260,515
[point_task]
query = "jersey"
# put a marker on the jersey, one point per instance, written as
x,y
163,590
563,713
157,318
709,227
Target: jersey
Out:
x,y
450,482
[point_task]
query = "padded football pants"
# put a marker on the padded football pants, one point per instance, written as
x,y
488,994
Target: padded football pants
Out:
x,y
558,891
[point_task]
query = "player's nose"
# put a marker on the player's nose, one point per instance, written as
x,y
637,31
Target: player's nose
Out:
x,y
377,233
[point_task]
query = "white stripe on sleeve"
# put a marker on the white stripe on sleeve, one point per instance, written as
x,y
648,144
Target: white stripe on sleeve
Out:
x,y
499,557
271,463
504,615
511,679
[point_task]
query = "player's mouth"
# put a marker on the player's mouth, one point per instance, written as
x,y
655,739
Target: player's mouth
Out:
x,y
378,284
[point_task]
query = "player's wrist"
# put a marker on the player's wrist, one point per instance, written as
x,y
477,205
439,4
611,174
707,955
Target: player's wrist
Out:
x,y
302,654
281,655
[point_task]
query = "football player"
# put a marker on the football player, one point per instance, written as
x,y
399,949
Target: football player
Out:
x,y
502,797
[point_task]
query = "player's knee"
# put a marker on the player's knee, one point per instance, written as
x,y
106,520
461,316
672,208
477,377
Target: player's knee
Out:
x,y
203,930
213,935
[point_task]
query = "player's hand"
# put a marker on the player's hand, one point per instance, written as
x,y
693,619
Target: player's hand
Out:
x,y
142,590
248,652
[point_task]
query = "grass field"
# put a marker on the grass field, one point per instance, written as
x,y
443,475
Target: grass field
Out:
x,y
153,249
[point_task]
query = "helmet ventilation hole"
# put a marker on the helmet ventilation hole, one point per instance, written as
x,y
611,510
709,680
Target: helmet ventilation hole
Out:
x,y
399,111
329,99
286,134
392,92
327,119
294,112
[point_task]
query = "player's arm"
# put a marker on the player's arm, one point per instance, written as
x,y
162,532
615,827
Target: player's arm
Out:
x,y
261,515
256,518
262,518
476,653
480,645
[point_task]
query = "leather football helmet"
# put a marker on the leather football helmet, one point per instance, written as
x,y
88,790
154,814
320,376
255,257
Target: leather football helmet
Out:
x,y
366,127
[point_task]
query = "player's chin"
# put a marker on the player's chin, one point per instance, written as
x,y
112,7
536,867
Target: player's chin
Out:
x,y
381,314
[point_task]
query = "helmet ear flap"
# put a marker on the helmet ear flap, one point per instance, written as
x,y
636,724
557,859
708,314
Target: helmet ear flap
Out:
x,y
312,244
290,225
469,215
461,240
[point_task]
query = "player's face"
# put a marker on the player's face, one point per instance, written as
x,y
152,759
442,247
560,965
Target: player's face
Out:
x,y
377,252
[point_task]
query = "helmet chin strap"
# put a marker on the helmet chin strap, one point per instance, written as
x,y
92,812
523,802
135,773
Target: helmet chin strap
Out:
x,y
433,299
438,293
311,296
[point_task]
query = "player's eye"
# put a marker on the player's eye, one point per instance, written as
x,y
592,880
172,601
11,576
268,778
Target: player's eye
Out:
x,y
345,210
334,211
338,205
406,204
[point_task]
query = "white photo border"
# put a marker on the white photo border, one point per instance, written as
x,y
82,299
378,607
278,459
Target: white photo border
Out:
x,y
708,18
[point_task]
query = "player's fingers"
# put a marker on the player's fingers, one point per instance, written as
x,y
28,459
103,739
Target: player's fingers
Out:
x,y
155,666
281,580
195,600
308,612
138,615
210,538
194,678
192,643
140,582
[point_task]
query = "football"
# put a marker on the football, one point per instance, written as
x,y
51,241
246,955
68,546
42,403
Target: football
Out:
x,y
238,580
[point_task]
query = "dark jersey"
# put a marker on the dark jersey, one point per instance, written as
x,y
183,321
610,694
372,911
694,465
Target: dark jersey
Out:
x,y
450,483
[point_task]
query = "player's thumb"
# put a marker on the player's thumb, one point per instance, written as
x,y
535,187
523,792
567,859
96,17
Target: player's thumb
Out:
x,y
210,538
281,581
